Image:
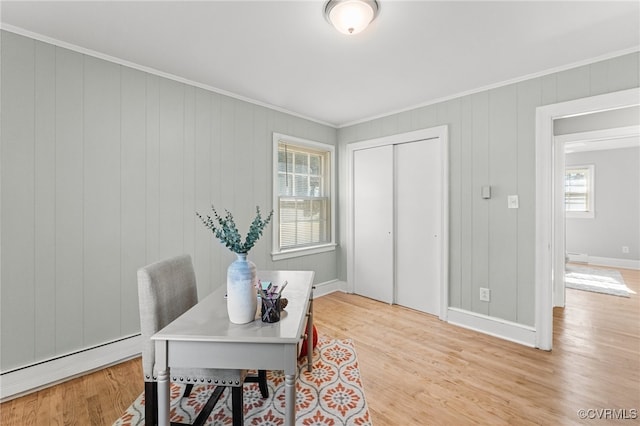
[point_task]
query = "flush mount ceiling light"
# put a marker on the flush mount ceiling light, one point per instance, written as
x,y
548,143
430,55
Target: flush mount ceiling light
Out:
x,y
351,16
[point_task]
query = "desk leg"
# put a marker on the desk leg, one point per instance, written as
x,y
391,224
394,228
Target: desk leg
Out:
x,y
163,383
310,335
290,399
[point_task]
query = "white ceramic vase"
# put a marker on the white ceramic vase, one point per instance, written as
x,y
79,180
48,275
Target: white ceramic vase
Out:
x,y
241,290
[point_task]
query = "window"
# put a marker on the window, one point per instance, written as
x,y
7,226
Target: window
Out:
x,y
303,186
579,191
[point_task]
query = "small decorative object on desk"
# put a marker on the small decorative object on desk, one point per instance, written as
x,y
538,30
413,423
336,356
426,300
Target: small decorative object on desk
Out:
x,y
272,302
271,308
241,274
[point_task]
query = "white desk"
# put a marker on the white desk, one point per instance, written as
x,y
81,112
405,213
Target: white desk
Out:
x,y
204,337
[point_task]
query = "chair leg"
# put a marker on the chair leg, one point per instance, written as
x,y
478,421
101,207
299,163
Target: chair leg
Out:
x,y
206,410
237,401
262,383
187,390
261,380
151,403
237,405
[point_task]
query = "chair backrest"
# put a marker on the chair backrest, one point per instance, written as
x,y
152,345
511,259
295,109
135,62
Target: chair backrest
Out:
x,y
166,289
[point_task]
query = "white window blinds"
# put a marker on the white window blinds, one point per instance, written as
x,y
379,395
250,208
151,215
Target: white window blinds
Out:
x,y
579,191
303,196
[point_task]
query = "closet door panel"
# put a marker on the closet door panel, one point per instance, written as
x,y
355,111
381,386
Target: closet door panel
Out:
x,y
373,223
418,225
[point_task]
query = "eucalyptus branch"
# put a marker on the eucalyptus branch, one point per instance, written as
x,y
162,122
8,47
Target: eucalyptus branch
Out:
x,y
225,229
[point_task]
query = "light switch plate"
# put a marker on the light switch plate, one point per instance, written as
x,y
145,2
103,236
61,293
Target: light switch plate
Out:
x,y
486,192
512,201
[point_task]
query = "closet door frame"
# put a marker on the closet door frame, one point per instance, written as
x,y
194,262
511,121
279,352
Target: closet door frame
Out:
x,y
441,132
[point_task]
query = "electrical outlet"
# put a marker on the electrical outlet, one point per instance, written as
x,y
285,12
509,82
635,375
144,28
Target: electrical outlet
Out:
x,y
485,294
625,249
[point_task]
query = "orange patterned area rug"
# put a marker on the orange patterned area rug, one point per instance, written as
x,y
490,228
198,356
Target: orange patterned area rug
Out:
x,y
332,394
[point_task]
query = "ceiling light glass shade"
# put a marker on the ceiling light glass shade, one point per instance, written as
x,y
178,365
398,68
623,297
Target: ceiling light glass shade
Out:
x,y
351,16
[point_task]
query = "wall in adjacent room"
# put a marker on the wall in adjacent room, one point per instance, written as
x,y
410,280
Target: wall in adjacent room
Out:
x,y
616,118
617,206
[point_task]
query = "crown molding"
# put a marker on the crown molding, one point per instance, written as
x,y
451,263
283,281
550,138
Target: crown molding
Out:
x,y
89,52
503,83
153,71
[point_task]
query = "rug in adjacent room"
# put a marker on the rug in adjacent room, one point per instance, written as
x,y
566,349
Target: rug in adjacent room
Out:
x,y
605,281
332,394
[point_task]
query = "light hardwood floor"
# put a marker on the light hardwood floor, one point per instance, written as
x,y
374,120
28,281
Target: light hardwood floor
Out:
x,y
418,370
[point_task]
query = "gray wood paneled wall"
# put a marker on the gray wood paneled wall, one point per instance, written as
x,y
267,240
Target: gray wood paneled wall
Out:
x,y
492,142
102,170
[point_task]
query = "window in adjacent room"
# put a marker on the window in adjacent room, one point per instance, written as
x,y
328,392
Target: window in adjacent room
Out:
x,y
579,191
303,185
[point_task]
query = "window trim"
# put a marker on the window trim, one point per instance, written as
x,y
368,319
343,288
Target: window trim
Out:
x,y
276,252
590,214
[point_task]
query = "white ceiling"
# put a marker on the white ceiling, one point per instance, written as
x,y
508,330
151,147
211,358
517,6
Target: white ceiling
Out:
x,y
284,54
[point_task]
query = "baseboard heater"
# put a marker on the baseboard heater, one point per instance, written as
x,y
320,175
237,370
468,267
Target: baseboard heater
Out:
x,y
30,378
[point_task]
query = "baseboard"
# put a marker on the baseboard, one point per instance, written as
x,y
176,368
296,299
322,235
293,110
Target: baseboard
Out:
x,y
578,257
328,287
19,382
614,263
503,329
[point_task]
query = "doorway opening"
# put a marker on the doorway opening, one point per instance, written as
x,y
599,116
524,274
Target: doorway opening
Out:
x,y
601,225
550,252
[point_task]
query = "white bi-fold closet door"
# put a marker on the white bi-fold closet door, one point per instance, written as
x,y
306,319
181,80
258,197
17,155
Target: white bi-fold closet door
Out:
x,y
398,223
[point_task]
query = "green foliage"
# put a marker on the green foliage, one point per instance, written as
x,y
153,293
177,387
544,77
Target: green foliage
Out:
x,y
225,230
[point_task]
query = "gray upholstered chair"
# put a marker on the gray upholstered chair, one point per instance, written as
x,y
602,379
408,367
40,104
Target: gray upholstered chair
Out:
x,y
166,289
